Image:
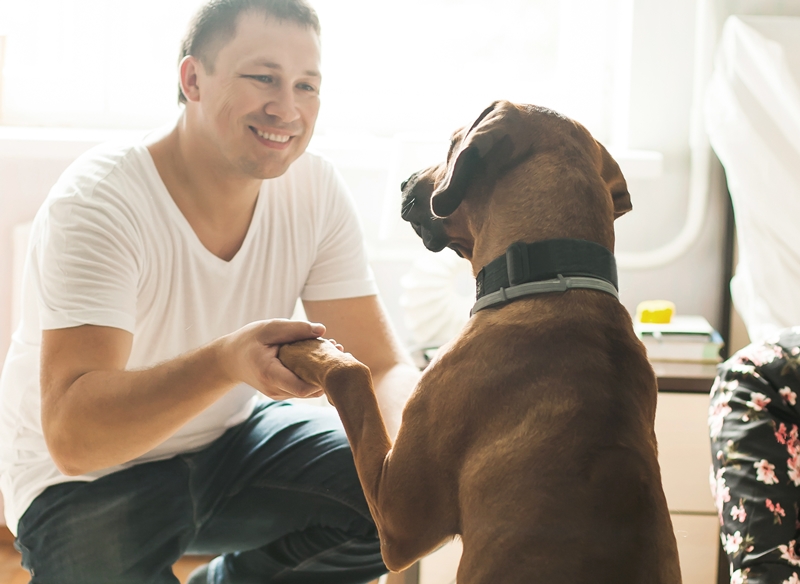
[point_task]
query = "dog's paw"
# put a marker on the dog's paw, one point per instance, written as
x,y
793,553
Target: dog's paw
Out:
x,y
313,360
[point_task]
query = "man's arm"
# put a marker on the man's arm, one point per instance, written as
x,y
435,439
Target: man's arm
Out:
x,y
362,326
97,414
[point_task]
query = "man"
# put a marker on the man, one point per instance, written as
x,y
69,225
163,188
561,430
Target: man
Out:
x,y
150,272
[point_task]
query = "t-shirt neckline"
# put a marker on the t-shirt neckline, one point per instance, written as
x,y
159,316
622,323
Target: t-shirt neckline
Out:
x,y
184,225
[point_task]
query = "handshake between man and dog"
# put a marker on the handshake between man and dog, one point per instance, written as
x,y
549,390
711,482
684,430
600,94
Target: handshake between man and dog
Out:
x,y
531,434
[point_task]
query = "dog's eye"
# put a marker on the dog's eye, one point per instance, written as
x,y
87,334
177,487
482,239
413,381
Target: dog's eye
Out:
x,y
403,185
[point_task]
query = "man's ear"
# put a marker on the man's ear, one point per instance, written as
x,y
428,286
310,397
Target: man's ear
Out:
x,y
500,138
188,71
615,182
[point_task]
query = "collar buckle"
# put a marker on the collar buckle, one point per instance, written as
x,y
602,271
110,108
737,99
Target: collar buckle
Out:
x,y
518,263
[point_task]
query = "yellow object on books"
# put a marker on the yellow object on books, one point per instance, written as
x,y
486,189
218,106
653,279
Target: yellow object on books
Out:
x,y
655,311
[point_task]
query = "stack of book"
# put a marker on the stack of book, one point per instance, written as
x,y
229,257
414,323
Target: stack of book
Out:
x,y
689,339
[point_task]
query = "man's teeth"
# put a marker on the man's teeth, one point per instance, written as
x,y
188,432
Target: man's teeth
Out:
x,y
273,137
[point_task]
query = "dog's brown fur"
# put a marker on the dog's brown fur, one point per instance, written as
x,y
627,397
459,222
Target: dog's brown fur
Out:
x,y
531,434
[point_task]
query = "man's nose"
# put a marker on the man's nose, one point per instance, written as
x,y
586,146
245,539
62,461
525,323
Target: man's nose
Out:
x,y
283,105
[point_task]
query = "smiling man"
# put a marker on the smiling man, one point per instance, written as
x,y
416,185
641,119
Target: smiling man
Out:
x,y
133,422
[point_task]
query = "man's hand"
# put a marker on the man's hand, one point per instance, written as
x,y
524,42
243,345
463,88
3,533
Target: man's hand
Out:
x,y
251,356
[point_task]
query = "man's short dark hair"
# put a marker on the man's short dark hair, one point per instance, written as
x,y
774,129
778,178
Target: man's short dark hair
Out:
x,y
215,24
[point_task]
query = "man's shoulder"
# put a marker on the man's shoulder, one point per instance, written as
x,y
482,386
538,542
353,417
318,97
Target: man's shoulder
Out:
x,y
101,160
108,167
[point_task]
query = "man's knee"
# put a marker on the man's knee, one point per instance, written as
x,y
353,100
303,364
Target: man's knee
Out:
x,y
86,532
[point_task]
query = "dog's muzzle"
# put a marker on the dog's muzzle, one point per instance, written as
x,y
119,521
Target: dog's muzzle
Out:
x,y
416,209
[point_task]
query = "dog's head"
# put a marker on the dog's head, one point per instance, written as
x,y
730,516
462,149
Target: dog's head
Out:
x,y
520,172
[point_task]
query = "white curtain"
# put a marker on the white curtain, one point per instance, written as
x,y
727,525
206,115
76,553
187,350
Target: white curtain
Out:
x,y
753,121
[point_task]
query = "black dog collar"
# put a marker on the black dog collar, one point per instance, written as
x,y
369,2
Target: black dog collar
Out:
x,y
554,265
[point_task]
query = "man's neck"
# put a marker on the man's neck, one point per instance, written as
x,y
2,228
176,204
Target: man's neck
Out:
x,y
216,200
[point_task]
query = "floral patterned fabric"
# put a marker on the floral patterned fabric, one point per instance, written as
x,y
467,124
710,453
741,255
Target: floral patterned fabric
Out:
x,y
754,423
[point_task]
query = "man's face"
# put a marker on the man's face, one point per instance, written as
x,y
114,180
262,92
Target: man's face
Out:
x,y
260,105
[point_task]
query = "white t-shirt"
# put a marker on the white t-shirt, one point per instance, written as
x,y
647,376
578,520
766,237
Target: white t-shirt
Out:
x,y
109,247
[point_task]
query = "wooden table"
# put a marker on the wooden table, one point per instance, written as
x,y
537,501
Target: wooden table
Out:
x,y
691,378
684,377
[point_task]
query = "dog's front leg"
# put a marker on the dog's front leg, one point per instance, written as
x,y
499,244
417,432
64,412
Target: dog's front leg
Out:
x,y
320,363
411,515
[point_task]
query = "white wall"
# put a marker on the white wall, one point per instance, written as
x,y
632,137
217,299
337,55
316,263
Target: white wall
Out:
x,y
661,100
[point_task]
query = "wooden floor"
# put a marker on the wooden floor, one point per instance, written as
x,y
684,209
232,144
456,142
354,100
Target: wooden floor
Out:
x,y
12,573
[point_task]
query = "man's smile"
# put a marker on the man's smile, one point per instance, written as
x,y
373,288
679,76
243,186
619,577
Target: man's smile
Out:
x,y
272,139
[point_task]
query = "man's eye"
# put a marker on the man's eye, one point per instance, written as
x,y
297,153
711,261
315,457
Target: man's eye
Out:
x,y
307,87
261,78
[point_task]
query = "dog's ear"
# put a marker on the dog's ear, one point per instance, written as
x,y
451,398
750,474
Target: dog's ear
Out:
x,y
497,140
612,175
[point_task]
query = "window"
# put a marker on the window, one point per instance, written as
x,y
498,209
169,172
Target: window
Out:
x,y
417,66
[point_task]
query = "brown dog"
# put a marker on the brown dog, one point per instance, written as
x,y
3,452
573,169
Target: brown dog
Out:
x,y
531,434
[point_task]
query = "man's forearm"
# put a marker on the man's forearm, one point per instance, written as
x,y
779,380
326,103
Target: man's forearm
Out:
x,y
393,389
97,414
107,418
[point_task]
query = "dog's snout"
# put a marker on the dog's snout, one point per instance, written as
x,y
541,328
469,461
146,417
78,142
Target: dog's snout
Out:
x,y
415,209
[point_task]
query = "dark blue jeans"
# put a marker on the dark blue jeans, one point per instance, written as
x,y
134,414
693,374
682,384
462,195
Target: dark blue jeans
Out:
x,y
277,496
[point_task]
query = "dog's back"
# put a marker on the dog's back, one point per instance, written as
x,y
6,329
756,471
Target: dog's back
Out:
x,y
565,465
